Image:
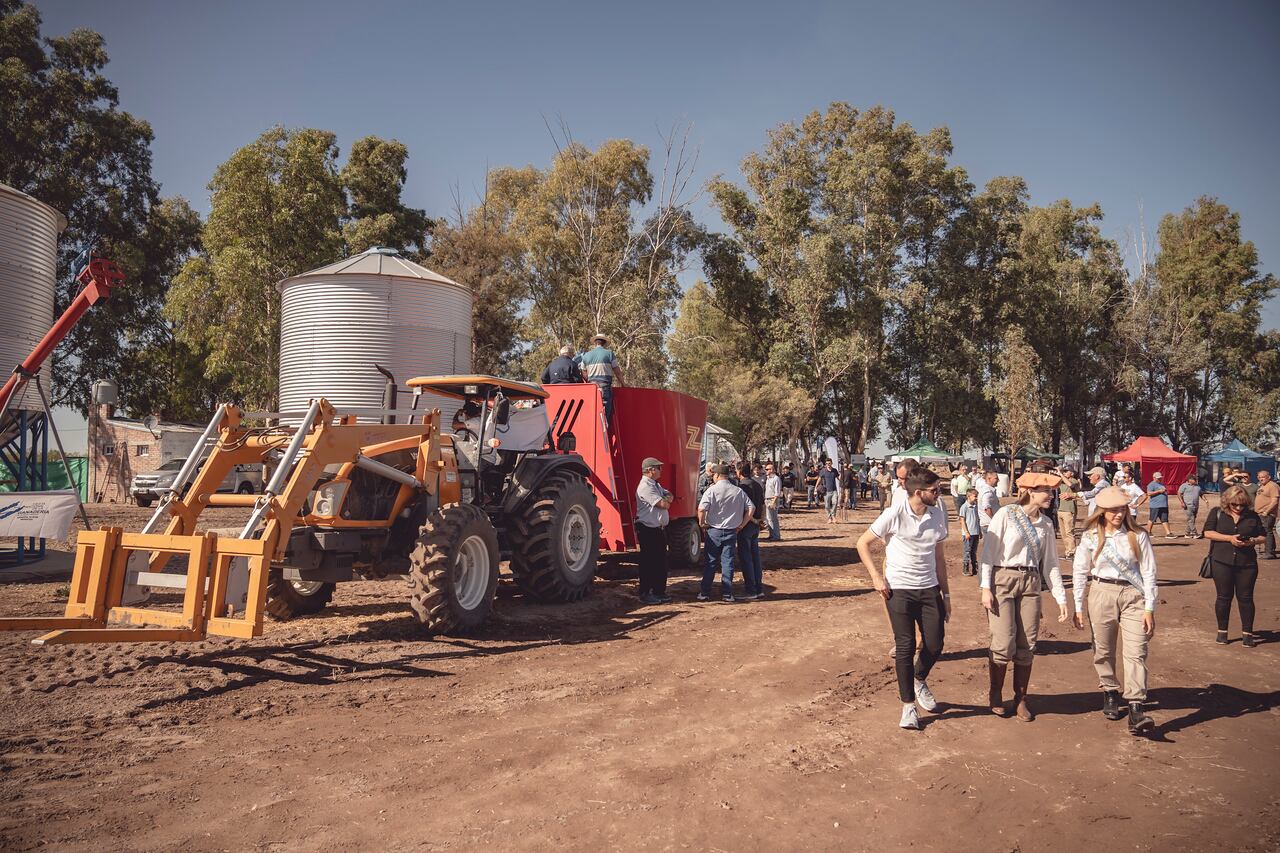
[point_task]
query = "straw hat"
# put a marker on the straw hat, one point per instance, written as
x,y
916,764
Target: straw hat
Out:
x,y
1031,479
1112,497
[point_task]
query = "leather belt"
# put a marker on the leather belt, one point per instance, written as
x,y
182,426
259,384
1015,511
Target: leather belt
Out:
x,y
1109,580
1018,568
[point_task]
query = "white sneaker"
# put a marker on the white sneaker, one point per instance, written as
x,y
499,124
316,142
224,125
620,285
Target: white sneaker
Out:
x,y
910,719
925,696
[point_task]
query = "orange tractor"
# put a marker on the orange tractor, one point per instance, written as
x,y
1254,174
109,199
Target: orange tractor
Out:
x,y
348,500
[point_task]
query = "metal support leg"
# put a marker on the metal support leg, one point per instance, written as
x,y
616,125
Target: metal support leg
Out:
x,y
44,401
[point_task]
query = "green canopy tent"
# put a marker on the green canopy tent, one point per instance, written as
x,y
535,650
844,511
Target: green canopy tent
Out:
x,y
923,450
1031,453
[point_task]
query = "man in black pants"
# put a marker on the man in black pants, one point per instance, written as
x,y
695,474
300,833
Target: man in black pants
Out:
x,y
652,502
914,585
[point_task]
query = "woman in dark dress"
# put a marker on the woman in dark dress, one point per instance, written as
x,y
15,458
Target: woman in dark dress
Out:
x,y
1235,531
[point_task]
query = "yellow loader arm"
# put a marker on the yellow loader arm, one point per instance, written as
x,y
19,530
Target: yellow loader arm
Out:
x,y
225,586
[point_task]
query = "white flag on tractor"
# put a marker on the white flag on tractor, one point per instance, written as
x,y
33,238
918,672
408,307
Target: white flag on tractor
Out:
x,y
46,515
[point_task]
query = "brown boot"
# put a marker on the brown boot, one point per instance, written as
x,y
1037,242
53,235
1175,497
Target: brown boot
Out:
x,y
995,696
1021,680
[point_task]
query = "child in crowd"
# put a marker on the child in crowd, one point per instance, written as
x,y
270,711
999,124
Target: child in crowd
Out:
x,y
971,528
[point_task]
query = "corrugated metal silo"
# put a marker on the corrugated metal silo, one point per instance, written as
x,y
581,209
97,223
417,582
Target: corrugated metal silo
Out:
x,y
28,271
338,320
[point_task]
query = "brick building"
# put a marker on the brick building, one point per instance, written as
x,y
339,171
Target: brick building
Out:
x,y
119,448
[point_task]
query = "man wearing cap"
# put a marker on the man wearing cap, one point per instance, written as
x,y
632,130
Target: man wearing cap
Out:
x,y
652,504
1115,558
723,511
1097,482
601,367
563,370
1157,498
772,497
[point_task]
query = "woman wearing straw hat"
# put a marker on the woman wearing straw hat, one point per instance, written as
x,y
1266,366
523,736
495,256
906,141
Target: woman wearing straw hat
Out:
x,y
1019,558
1115,556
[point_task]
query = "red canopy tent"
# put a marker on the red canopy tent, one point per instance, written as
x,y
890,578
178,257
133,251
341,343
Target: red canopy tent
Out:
x,y
1153,455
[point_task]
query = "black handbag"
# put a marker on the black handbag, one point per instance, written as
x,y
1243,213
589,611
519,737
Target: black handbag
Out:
x,y
1206,568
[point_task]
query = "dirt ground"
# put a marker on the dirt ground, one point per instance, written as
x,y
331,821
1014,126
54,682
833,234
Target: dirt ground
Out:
x,y
606,725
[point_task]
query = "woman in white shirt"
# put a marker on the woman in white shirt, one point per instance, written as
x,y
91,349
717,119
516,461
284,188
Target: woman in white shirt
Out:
x,y
1115,556
1019,558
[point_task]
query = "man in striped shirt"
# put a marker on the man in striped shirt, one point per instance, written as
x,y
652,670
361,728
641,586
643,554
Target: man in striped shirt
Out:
x,y
601,367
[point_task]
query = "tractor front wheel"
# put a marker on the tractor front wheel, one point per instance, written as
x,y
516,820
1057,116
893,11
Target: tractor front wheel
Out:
x,y
453,569
288,599
555,540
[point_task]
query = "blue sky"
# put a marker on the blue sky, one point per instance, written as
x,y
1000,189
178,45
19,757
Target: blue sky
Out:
x,y
1141,107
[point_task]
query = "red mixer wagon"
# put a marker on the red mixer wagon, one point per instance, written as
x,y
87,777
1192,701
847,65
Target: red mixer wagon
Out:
x,y
654,422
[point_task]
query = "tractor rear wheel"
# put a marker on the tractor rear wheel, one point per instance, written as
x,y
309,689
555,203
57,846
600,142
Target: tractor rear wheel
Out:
x,y
684,543
453,569
555,539
288,599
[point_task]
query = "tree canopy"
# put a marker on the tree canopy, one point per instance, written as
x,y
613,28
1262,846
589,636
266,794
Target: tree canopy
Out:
x,y
863,286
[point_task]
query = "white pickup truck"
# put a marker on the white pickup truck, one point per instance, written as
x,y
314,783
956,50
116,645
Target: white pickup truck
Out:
x,y
149,487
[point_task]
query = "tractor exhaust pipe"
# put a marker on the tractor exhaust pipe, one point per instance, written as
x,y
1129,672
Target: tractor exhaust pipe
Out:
x,y
389,394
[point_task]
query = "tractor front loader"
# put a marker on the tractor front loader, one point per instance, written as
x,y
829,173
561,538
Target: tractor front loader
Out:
x,y
303,529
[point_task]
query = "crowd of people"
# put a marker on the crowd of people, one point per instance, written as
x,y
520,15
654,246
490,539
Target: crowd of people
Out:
x,y
1012,549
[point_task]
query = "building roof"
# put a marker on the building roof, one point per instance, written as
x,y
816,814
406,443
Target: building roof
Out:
x,y
163,426
375,261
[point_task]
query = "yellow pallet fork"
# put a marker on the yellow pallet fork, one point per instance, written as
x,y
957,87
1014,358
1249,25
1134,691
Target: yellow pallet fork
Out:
x,y
225,582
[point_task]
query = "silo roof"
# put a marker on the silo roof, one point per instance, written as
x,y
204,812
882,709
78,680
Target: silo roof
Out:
x,y
58,217
375,261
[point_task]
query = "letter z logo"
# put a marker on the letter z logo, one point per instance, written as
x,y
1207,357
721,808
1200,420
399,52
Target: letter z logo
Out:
x,y
694,443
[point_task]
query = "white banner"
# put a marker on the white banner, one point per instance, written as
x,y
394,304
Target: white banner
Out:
x,y
46,515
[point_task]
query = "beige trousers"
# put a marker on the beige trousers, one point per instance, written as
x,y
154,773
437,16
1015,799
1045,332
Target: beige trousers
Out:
x,y
1115,609
1067,529
1016,623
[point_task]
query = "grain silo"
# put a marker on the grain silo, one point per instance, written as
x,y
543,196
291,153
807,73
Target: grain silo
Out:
x,y
376,307
28,272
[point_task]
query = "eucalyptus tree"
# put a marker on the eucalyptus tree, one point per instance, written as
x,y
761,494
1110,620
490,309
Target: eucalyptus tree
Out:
x,y
1207,300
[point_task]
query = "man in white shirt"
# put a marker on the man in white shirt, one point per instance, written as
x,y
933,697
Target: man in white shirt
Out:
x,y
1132,490
772,496
960,486
914,585
722,513
988,499
652,503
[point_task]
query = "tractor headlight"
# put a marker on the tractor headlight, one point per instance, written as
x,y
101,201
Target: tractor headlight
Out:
x,y
329,497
